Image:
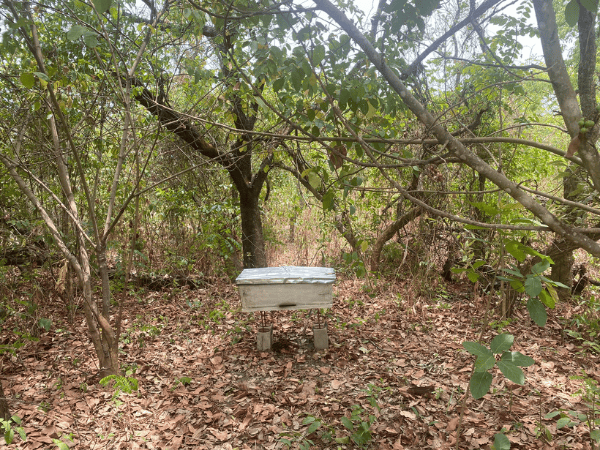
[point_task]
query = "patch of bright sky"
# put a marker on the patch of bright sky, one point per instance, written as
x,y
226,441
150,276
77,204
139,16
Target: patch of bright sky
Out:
x,y
532,49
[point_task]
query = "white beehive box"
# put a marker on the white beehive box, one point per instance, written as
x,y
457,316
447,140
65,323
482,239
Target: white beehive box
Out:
x,y
288,287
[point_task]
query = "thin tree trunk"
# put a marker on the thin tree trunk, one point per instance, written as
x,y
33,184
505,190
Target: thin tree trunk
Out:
x,y
389,233
4,409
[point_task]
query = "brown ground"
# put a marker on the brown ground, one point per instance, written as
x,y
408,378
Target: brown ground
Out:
x,y
203,385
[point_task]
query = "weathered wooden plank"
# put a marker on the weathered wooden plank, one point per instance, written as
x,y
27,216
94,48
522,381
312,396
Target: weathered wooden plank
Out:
x,y
277,297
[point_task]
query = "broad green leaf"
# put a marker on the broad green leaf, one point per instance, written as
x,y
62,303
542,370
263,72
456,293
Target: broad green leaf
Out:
x,y
27,79
517,286
595,435
501,343
501,442
328,200
552,414
547,299
76,32
364,246
473,276
347,423
46,324
314,180
572,13
313,427
102,5
478,264
517,358
512,372
533,286
484,363
278,84
60,444
564,422
480,384
42,76
514,248
540,267
537,311
9,435
260,102
475,348
552,292
318,54
307,420
90,41
516,273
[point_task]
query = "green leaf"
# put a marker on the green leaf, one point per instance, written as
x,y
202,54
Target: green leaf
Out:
x,y
483,363
595,435
512,372
76,32
552,414
9,435
27,79
514,248
541,267
517,358
547,299
318,54
537,311
60,444
473,276
102,5
329,201
42,76
564,422
347,423
278,84
307,420
501,442
313,427
46,324
533,286
314,180
501,343
478,264
572,13
480,384
475,348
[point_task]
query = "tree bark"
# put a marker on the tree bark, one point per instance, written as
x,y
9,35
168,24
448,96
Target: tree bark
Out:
x,y
389,233
4,409
253,242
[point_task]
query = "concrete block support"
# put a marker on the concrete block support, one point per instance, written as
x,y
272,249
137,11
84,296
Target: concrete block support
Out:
x,y
320,336
264,338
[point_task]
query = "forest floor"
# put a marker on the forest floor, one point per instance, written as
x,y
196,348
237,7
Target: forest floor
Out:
x,y
202,384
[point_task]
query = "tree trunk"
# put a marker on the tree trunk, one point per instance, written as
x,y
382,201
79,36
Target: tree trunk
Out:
x,y
389,233
4,409
562,271
253,242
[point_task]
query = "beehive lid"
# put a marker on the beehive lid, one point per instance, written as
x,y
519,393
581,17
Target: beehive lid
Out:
x,y
287,275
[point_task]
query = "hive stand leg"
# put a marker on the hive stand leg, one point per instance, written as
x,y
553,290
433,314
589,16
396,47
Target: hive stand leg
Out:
x,y
264,338
320,334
